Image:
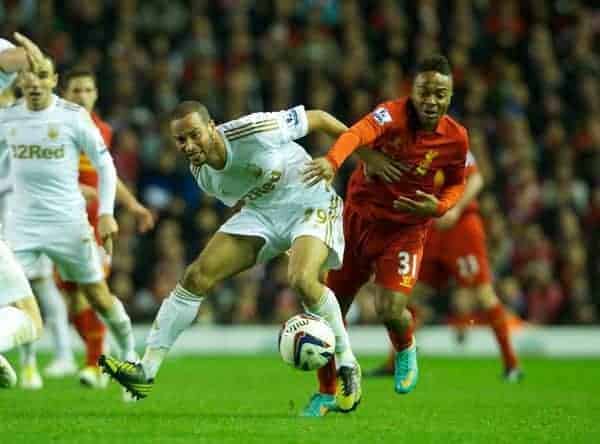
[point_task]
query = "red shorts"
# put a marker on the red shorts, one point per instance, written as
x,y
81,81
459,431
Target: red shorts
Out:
x,y
459,252
390,251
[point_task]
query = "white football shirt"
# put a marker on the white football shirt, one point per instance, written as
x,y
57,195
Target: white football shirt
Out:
x,y
45,147
6,79
264,164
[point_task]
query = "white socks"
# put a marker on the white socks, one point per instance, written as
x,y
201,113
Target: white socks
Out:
x,y
177,312
16,328
55,316
119,324
329,309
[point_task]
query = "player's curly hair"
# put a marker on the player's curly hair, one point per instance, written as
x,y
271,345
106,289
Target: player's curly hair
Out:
x,y
435,62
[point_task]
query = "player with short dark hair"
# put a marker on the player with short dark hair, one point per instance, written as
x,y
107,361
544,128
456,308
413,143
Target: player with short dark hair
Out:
x,y
254,161
386,218
456,249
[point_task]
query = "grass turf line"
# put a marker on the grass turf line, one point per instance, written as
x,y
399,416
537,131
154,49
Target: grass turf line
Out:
x,y
256,400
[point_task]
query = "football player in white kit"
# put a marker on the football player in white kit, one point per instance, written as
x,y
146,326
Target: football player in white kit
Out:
x,y
255,161
20,320
45,135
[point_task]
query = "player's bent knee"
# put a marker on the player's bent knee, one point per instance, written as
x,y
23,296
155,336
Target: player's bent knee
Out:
x,y
97,294
486,296
198,279
307,284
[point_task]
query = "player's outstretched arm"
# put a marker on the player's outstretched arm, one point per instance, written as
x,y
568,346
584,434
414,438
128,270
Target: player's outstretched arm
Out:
x,y
144,216
322,121
363,133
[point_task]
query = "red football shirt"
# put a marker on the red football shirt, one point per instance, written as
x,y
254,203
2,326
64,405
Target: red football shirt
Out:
x,y
436,161
87,172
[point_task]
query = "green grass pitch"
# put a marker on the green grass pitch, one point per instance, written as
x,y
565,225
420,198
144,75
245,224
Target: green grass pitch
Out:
x,y
245,400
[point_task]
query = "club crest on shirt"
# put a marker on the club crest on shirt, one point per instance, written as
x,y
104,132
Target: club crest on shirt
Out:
x,y
53,132
425,164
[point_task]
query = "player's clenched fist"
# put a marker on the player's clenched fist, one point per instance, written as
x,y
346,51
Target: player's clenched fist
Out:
x,y
108,229
316,170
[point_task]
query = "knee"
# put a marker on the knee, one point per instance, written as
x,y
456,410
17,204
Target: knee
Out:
x,y
97,294
198,278
391,307
304,282
486,296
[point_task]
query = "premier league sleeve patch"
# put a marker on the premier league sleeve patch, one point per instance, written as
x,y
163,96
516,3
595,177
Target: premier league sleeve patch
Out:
x,y
291,118
382,116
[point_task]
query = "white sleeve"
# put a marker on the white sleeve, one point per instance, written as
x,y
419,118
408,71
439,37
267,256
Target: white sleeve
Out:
x,y
293,123
6,78
5,44
91,142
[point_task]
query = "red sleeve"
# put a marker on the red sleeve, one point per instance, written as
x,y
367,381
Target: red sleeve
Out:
x,y
107,135
455,179
362,133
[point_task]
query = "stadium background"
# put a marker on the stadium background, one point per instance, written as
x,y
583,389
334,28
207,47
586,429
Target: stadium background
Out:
x,y
527,86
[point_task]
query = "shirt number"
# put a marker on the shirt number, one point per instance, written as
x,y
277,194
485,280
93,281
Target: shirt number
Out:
x,y
407,264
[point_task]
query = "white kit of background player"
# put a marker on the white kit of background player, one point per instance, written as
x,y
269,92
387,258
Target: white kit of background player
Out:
x,y
20,320
49,215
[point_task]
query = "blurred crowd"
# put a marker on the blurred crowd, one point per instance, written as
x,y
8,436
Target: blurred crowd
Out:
x,y
527,86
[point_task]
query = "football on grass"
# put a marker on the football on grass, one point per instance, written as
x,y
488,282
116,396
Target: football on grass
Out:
x,y
306,342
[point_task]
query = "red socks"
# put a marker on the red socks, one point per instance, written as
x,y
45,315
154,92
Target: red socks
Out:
x,y
93,332
498,321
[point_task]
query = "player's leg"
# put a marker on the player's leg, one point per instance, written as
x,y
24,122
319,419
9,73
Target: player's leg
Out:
x,y
90,328
74,253
55,316
308,257
498,321
111,311
92,332
396,272
224,256
20,320
392,307
422,292
469,262
344,283
30,376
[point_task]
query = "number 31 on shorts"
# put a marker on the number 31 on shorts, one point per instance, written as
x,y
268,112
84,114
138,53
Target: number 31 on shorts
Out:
x,y
407,264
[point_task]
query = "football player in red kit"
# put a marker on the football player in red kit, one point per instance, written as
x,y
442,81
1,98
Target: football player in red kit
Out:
x,y
386,222
456,248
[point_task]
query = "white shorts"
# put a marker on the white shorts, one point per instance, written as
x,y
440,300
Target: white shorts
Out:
x,y
14,286
280,226
71,247
41,268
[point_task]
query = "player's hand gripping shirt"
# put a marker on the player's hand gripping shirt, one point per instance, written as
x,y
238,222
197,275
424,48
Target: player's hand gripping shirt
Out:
x,y
434,158
45,147
264,164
